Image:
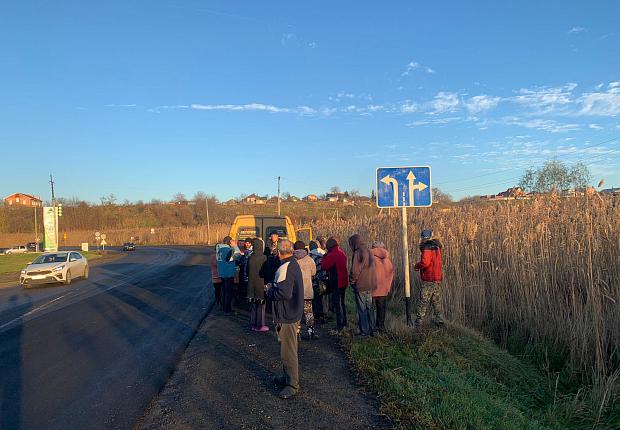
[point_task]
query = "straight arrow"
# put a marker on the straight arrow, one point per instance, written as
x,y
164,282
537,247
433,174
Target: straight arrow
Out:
x,y
391,181
413,186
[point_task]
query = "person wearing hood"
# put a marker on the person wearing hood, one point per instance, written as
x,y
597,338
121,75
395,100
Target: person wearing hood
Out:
x,y
256,287
308,270
431,273
384,271
335,265
226,254
319,280
364,281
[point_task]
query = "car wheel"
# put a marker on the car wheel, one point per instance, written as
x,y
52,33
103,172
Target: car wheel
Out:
x,y
68,277
86,273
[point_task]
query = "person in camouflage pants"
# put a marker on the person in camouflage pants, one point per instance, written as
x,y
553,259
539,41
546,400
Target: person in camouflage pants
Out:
x,y
430,268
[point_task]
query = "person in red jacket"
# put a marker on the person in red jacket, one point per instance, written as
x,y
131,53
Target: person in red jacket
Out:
x,y
430,268
334,263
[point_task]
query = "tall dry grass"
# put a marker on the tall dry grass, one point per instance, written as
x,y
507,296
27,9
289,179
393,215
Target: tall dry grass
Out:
x,y
548,270
194,235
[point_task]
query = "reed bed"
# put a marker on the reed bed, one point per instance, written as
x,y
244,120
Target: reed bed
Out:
x,y
544,271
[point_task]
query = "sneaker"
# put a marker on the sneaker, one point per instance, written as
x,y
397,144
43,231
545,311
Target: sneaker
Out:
x,y
253,328
288,392
262,329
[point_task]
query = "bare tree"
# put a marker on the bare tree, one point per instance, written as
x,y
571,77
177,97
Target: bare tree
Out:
x,y
440,197
200,196
334,189
179,197
108,200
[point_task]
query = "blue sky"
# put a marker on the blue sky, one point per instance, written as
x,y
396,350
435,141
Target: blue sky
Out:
x,y
144,99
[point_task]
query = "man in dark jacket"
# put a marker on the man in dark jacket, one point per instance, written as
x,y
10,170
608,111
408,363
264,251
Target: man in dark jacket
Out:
x,y
287,293
430,268
256,287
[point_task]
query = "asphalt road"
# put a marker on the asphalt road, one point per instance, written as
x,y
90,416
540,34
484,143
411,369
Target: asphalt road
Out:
x,y
94,354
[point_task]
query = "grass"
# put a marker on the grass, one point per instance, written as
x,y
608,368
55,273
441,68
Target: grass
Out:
x,y
15,262
456,379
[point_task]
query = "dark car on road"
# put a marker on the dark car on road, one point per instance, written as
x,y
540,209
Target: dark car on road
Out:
x,y
129,246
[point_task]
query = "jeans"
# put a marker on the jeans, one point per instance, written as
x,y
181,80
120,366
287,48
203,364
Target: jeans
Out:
x,y
338,296
363,304
218,292
380,304
227,293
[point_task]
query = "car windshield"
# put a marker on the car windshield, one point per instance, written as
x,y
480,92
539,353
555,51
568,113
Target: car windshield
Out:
x,y
60,257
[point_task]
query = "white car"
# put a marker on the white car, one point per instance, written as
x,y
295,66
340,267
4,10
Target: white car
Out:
x,y
18,249
62,266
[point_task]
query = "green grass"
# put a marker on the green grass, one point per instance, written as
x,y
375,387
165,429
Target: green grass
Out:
x,y
15,262
455,378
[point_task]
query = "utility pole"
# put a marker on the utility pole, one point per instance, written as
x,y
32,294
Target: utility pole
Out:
x,y
208,222
54,211
278,196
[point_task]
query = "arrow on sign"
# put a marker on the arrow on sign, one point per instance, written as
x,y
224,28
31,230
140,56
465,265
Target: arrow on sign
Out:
x,y
413,186
391,181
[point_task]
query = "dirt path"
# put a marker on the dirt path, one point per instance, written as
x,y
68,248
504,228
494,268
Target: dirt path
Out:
x,y
224,381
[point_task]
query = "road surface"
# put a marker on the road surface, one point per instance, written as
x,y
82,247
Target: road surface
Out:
x,y
94,354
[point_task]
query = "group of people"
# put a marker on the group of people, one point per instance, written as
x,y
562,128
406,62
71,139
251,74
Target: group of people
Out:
x,y
308,282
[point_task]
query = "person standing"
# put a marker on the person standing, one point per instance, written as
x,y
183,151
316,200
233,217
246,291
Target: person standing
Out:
x,y
268,271
242,262
318,281
256,287
363,281
227,253
431,273
217,281
335,265
287,294
384,270
308,270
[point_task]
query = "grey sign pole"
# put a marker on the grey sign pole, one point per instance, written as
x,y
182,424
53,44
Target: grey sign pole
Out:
x,y
406,265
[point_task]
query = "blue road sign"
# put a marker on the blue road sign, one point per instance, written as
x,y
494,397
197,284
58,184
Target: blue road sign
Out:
x,y
404,187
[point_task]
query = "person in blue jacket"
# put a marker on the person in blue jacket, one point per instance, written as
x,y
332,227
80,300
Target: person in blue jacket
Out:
x,y
227,253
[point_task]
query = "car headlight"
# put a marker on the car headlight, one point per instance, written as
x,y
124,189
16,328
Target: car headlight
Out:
x,y
23,271
59,268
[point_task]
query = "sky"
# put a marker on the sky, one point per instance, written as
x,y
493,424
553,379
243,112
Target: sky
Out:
x,y
145,99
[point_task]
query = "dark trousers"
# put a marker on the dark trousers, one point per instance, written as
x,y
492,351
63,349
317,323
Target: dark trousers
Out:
x,y
317,303
363,304
338,296
257,314
380,305
217,286
227,293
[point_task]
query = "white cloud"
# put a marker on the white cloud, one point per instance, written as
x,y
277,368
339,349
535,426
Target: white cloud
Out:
x,y
546,99
408,107
549,125
481,103
413,66
602,103
444,102
122,106
312,45
256,107
577,29
595,127
435,121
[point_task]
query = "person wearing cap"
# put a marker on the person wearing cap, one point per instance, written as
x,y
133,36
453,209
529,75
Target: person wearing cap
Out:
x,y
287,294
430,268
335,264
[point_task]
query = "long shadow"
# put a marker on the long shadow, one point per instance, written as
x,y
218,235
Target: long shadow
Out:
x,y
11,362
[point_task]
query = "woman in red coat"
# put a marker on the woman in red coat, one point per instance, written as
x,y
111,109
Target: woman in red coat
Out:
x,y
384,271
334,263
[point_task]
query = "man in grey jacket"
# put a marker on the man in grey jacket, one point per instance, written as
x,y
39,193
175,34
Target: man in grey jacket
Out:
x,y
287,294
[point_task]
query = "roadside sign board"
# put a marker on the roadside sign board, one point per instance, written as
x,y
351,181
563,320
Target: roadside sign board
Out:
x,y
403,187
50,221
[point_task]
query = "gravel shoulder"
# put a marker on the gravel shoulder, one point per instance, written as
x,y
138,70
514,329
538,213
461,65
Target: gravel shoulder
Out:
x,y
224,381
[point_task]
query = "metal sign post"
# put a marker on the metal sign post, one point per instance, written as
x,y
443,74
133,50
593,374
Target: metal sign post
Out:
x,y
404,187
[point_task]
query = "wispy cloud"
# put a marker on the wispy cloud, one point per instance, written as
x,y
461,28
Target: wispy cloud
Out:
x,y
481,103
605,103
443,102
435,121
122,105
549,125
545,99
261,107
413,66
577,29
